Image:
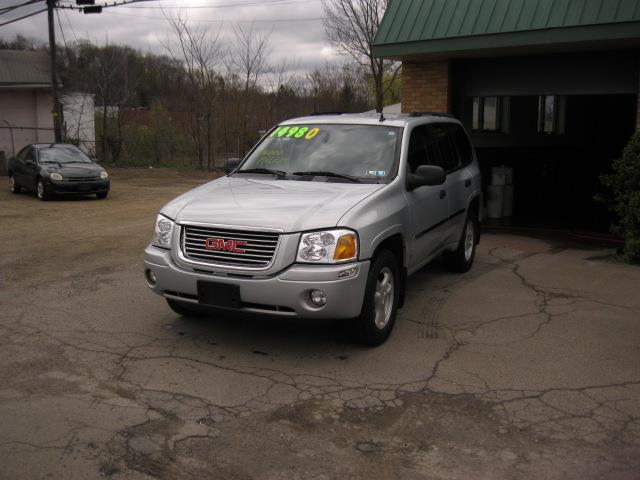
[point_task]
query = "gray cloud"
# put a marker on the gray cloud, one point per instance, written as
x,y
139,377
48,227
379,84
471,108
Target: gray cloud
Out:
x,y
301,42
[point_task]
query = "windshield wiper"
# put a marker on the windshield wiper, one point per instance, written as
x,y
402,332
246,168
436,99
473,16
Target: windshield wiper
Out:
x,y
329,174
277,173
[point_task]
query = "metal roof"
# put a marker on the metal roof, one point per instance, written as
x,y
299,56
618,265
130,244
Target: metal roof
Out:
x,y
432,23
24,69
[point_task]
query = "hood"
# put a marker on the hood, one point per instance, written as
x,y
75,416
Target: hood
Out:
x,y
74,169
257,202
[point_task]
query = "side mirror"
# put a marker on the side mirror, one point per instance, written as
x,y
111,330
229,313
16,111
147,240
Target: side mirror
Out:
x,y
426,176
231,164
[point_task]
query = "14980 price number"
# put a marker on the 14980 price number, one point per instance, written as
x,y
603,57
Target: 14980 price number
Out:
x,y
295,132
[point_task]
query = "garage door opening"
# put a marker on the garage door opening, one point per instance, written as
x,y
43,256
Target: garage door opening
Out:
x,y
557,147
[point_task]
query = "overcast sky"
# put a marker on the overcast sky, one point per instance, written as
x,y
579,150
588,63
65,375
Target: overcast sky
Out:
x,y
296,27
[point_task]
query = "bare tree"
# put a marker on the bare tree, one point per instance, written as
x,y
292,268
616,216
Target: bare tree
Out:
x,y
200,52
115,85
351,25
278,77
247,60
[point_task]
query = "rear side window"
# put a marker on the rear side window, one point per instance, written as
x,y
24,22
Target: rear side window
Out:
x,y
463,145
448,153
22,154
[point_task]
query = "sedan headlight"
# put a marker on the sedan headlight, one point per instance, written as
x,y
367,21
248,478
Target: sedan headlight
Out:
x,y
163,232
329,246
55,176
104,175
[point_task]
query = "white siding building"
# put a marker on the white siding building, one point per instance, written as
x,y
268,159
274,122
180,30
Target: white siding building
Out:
x,y
25,100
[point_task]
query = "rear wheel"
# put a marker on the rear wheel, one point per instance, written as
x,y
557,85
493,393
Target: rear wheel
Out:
x,y
40,191
380,305
13,186
182,308
461,259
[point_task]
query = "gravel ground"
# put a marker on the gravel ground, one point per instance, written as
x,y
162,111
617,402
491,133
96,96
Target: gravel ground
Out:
x,y
528,366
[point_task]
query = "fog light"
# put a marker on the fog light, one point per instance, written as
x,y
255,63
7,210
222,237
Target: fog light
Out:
x,y
151,277
349,272
318,297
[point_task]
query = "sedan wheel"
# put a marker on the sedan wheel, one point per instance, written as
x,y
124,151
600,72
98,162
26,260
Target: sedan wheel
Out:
x,y
40,191
13,186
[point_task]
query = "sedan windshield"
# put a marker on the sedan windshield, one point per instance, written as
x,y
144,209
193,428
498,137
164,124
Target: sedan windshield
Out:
x,y
62,155
345,153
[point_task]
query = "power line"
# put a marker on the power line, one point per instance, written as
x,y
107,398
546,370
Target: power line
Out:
x,y
10,8
22,17
64,39
269,20
251,3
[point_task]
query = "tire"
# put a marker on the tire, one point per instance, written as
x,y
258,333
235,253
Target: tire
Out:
x,y
13,186
376,320
182,308
41,193
461,259
102,195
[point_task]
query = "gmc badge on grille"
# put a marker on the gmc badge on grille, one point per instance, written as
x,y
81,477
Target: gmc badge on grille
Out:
x,y
225,246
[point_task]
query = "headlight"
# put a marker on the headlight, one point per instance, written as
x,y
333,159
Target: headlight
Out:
x,y
163,232
104,175
329,246
55,176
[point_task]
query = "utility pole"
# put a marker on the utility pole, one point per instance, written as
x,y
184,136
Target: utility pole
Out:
x,y
57,128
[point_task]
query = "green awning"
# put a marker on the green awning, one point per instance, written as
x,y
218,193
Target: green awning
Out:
x,y
414,27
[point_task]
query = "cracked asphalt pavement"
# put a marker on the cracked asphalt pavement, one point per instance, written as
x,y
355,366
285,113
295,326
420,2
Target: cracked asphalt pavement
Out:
x,y
528,366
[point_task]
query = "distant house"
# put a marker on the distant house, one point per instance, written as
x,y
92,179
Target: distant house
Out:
x,y
25,100
78,115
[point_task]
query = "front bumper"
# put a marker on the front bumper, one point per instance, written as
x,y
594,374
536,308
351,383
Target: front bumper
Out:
x,y
76,188
283,294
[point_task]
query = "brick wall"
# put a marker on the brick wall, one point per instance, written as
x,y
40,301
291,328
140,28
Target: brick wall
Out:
x,y
426,86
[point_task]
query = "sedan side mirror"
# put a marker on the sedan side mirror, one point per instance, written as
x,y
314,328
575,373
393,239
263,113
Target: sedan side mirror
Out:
x,y
426,176
231,164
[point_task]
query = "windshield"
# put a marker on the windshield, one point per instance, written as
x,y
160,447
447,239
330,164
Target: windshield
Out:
x,y
62,155
362,152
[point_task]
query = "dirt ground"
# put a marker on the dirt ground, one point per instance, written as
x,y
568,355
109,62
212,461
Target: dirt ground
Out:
x,y
526,367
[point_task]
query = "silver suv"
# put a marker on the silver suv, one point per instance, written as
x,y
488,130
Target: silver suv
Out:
x,y
326,217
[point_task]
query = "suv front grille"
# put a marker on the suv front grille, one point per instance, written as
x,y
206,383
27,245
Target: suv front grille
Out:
x,y
238,248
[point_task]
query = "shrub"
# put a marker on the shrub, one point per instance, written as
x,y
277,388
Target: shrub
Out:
x,y
624,183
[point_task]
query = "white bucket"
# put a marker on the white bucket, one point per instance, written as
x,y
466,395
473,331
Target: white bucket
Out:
x,y
508,175
495,200
498,176
507,207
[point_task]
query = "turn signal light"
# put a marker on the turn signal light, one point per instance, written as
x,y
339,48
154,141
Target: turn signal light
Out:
x,y
346,247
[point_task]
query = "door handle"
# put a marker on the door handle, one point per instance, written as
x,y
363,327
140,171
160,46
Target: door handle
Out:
x,y
443,193
467,183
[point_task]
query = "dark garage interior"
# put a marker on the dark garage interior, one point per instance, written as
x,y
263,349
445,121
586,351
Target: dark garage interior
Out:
x,y
558,120
556,176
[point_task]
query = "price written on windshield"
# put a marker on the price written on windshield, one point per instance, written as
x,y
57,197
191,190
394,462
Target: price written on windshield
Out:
x,y
305,133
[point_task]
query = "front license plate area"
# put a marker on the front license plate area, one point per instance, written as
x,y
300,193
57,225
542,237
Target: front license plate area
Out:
x,y
219,294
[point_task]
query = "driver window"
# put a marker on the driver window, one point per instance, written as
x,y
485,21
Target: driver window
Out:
x,y
417,152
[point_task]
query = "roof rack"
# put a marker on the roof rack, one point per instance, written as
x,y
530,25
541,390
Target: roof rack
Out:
x,y
315,114
434,114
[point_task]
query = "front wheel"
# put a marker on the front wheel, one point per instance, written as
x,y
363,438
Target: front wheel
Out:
x,y
461,259
40,191
102,195
13,186
381,298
